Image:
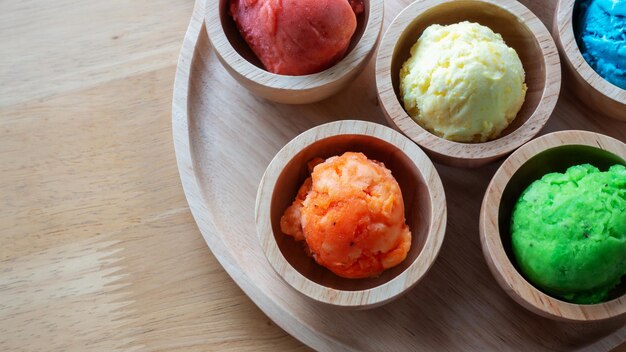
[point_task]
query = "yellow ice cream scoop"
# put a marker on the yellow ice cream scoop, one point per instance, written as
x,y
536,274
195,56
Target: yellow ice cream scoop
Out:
x,y
462,82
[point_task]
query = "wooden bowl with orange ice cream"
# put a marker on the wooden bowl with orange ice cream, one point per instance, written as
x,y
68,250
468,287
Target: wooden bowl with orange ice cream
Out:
x,y
351,214
294,51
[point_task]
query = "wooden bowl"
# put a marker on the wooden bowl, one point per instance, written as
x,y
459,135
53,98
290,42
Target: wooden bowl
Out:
x,y
519,28
242,64
424,202
590,87
554,152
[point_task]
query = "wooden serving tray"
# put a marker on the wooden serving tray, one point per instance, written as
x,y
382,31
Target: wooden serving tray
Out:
x,y
224,139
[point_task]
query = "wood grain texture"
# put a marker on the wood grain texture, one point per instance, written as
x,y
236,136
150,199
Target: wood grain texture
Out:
x,y
98,249
557,151
457,306
241,63
520,29
590,87
424,209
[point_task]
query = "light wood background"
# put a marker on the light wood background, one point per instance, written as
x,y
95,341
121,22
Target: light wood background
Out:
x,y
98,249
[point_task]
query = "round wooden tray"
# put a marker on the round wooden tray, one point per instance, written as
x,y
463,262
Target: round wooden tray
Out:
x,y
224,139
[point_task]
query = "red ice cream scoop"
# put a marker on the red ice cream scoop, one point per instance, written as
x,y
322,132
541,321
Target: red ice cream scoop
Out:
x,y
297,37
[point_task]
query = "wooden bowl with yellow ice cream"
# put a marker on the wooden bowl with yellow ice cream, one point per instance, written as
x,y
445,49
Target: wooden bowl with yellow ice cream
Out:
x,y
482,80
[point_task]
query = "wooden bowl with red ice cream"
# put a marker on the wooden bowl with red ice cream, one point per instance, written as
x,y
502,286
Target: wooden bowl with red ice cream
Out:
x,y
294,51
351,214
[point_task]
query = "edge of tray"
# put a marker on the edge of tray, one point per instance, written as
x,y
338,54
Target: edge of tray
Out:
x,y
180,133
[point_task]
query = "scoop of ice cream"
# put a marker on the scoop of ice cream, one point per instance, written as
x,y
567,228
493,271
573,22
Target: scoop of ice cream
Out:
x,y
462,82
296,37
601,37
568,232
351,214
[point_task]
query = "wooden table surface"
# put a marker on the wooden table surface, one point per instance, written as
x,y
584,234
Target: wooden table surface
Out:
x,y
98,248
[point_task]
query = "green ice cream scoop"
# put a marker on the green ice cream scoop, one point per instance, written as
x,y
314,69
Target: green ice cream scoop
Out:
x,y
568,233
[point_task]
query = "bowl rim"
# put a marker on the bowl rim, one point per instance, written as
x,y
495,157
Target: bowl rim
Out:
x,y
507,276
234,61
481,152
378,295
564,22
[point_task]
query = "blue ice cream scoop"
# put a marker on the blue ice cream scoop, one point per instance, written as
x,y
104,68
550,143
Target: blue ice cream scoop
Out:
x,y
601,36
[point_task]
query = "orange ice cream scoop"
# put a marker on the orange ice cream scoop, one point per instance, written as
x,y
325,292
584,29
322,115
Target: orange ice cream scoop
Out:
x,y
351,214
296,37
